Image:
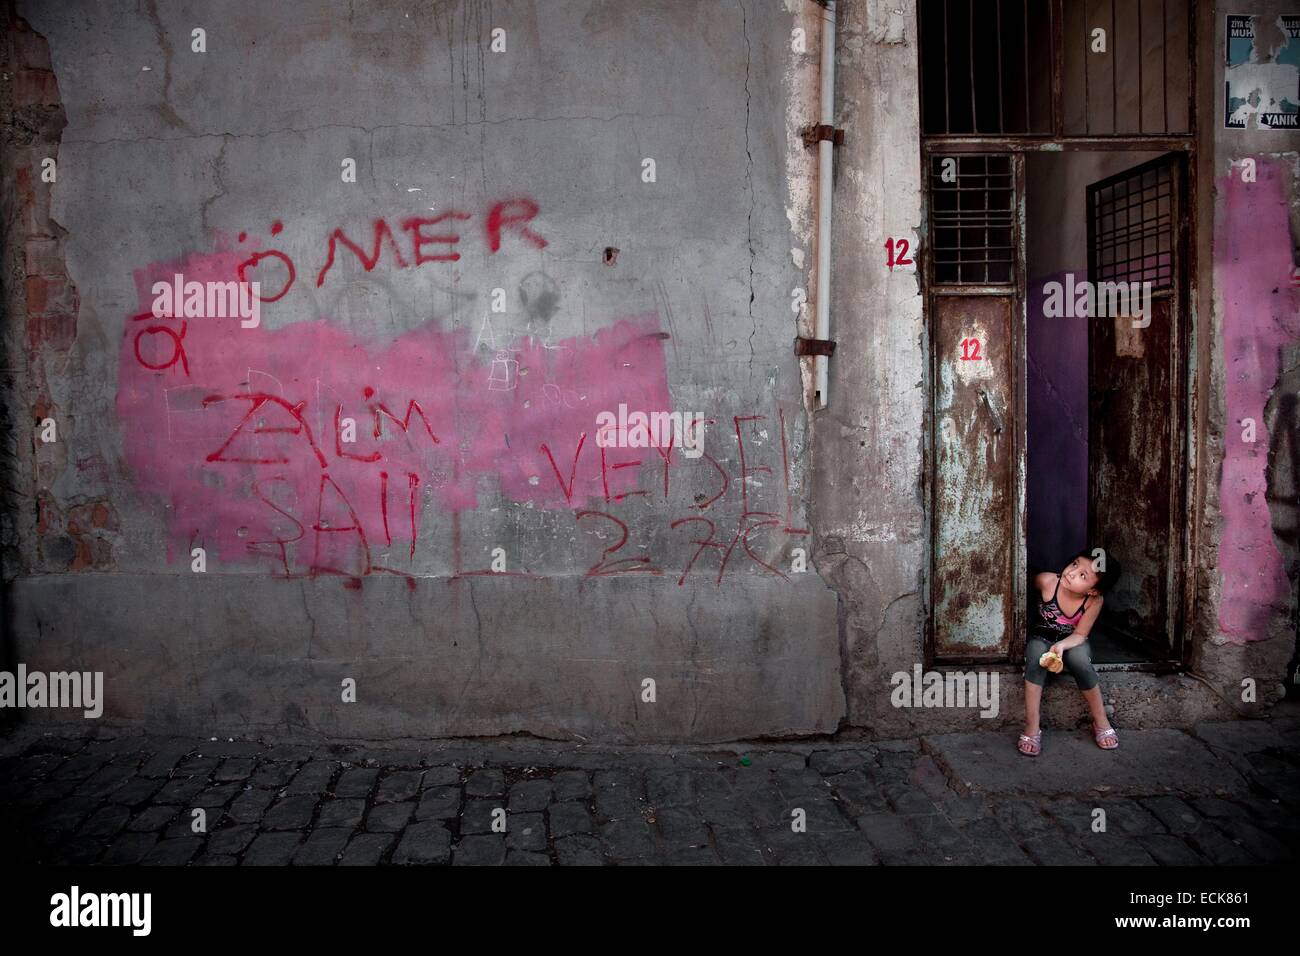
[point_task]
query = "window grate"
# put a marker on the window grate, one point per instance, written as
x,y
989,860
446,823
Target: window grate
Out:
x,y
972,220
1133,229
982,66
1055,67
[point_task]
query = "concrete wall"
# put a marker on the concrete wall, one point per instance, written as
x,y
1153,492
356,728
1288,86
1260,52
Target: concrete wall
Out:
x,y
868,504
323,561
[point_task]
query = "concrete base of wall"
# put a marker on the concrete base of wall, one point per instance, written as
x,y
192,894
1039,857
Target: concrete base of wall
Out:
x,y
477,657
1138,701
438,659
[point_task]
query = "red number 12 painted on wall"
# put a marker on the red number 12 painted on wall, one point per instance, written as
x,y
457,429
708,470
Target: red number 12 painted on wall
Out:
x,y
970,350
902,248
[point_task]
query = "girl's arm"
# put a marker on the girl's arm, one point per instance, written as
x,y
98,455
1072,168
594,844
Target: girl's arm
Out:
x,y
1083,628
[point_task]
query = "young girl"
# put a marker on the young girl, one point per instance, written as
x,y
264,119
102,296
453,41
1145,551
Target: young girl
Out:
x,y
1067,607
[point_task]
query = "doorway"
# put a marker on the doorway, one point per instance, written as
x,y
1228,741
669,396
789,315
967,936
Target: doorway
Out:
x,y
1105,429
1068,126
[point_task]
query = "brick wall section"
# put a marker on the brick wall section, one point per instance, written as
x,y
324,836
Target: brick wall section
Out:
x,y
41,304
36,121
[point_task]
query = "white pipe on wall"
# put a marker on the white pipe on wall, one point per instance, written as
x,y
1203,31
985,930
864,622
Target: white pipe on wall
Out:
x,y
821,363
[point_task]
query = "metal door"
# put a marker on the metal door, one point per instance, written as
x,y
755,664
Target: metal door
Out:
x,y
977,400
1136,457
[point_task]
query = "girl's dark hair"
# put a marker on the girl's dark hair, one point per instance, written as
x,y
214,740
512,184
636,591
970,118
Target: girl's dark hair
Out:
x,y
1106,577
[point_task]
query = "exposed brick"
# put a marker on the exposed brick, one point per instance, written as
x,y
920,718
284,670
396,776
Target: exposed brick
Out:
x,y
57,332
43,257
91,516
51,295
31,50
35,88
33,196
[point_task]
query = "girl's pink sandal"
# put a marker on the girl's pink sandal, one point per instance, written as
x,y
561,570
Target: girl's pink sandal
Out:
x,y
1030,745
1103,735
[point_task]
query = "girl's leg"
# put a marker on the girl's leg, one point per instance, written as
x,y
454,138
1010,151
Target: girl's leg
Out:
x,y
1079,662
1096,708
1035,678
1101,728
1033,706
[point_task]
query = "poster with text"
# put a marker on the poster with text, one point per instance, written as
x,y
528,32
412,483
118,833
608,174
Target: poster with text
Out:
x,y
1263,73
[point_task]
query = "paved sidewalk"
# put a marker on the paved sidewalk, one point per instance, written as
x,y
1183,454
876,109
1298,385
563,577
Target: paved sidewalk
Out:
x,y
1224,793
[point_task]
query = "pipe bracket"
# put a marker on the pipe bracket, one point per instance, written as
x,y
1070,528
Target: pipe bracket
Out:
x,y
804,346
812,135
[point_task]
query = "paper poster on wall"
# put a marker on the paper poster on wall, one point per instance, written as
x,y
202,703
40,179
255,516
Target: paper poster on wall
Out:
x,y
1263,75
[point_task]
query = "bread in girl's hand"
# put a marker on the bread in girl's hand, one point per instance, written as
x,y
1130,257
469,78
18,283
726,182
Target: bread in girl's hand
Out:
x,y
1052,661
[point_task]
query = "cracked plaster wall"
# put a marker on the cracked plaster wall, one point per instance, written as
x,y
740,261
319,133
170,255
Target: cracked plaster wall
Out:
x,y
172,160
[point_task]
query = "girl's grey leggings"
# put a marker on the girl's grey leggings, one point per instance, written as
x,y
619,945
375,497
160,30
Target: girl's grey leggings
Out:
x,y
1078,661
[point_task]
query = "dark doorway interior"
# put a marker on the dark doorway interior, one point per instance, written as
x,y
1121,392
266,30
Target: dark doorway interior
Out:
x,y
1088,473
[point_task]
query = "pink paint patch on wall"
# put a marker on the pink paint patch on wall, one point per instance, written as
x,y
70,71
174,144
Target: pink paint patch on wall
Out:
x,y
315,452
1252,273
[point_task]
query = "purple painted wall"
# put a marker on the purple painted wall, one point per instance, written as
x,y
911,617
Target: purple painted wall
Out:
x,y
1253,270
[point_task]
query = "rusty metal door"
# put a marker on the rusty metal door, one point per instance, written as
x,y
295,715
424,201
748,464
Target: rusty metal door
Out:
x,y
977,401
1136,448
975,476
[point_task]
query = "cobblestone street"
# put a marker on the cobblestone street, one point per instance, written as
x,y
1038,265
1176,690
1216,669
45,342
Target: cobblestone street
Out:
x,y
1222,794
